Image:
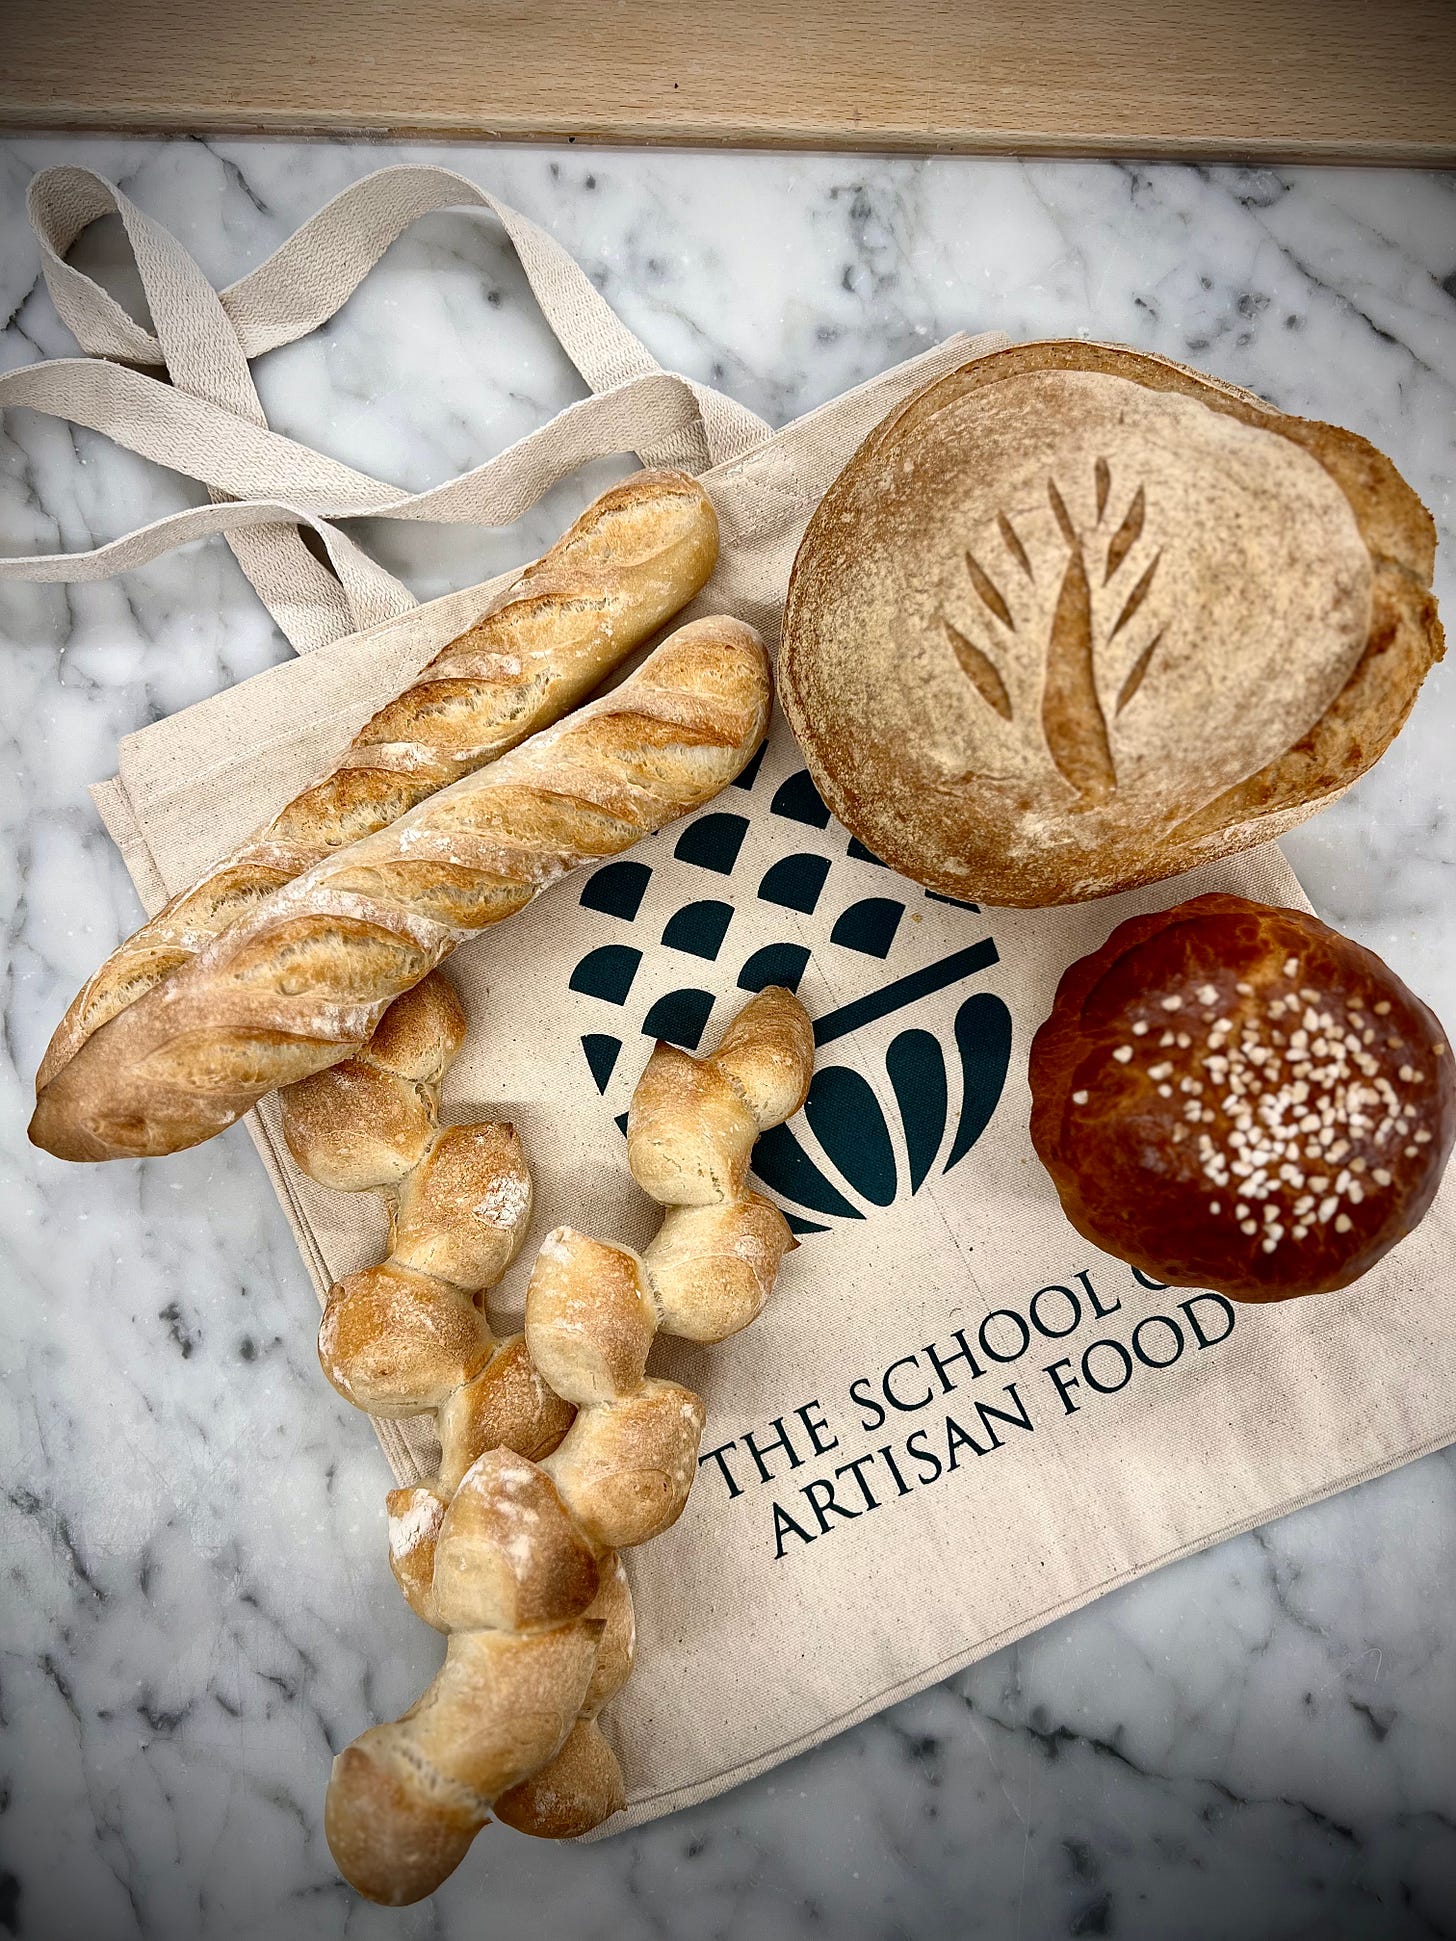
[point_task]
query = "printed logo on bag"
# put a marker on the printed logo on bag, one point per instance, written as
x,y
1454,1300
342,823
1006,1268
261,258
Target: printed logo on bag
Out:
x,y
900,976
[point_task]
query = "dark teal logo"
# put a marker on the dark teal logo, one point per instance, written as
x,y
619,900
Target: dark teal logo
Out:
x,y
941,1112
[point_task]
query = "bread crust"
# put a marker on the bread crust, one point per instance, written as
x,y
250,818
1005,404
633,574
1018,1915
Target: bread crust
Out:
x,y
1235,1097
300,984
405,1800
635,557
509,1548
1033,700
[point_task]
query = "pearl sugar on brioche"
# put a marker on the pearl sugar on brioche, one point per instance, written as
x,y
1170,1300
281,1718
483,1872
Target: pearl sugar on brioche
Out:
x,y
1236,1097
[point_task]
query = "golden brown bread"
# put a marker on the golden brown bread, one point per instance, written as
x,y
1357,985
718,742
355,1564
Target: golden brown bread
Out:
x,y
300,983
582,1784
711,1268
405,1800
488,1580
1236,1097
1075,618
527,1549
508,1407
575,1791
634,558
410,1335
370,1123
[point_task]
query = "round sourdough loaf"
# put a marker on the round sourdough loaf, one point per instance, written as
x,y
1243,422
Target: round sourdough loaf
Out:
x,y
1075,618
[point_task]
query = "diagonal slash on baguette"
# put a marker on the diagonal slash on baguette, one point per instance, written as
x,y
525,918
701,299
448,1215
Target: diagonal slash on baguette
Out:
x,y
301,982
633,559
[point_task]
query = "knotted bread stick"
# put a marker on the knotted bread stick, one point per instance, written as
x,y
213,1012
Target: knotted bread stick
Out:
x,y
537,1641
634,558
301,982
410,1337
407,1337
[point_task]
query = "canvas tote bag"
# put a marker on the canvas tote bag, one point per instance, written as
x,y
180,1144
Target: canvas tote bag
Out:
x,y
955,1420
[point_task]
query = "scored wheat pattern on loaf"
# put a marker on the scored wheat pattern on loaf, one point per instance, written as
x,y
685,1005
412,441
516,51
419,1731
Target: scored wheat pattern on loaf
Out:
x,y
1074,723
1075,619
636,556
301,982
522,1565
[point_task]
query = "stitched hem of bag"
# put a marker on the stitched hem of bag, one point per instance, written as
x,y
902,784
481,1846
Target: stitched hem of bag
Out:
x,y
652,1806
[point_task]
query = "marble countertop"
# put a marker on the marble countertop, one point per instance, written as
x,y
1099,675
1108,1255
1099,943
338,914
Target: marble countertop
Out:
x,y
1260,1741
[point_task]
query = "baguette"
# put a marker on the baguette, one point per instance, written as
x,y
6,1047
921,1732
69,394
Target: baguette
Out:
x,y
635,557
301,982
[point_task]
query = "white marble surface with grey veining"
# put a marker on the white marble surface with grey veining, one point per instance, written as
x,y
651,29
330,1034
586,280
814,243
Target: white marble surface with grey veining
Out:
x,y
1260,1741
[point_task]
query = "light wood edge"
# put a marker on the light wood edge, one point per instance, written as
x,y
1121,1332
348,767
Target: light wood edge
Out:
x,y
322,126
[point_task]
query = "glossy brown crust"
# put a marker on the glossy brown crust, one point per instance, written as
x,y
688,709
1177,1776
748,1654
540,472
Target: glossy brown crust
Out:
x,y
1236,1097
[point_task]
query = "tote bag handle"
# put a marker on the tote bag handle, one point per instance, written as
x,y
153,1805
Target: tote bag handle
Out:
x,y
207,422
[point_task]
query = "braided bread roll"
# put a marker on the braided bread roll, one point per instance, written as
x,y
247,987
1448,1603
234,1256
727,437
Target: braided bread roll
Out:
x,y
300,982
410,1336
525,1575
636,556
405,1800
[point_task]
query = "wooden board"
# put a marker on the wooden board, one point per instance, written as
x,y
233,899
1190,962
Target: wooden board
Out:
x,y
1354,80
